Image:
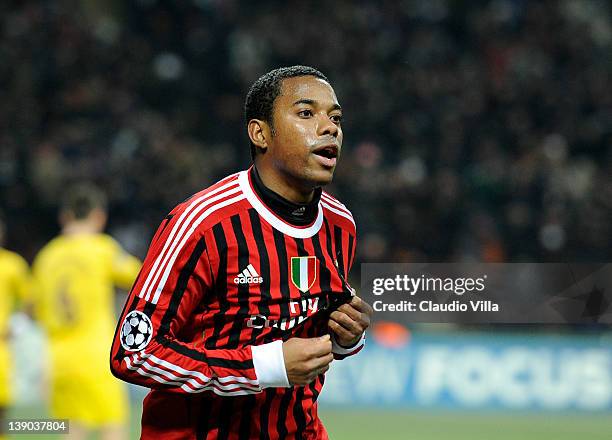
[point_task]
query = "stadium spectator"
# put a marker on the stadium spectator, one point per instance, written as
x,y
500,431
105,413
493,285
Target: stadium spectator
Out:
x,y
471,113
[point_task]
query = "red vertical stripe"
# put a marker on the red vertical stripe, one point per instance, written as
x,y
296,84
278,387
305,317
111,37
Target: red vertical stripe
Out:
x,y
312,265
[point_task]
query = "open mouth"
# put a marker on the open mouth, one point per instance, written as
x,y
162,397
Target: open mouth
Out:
x,y
328,152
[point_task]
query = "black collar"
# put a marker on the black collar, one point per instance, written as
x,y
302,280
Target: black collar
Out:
x,y
297,214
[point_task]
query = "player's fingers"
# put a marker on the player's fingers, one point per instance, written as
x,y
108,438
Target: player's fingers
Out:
x,y
351,311
361,305
320,362
356,327
324,369
320,346
341,332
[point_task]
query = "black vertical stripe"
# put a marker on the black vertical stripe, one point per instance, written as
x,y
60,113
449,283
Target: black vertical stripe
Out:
x,y
301,248
264,414
220,286
298,411
203,421
149,308
283,271
312,386
281,423
315,393
181,286
328,240
264,270
248,403
243,289
324,271
226,416
351,242
279,242
339,253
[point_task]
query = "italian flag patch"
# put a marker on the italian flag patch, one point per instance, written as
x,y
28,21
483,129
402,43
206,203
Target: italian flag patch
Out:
x,y
303,272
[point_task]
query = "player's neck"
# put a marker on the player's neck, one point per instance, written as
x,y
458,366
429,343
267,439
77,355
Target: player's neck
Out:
x,y
281,185
299,214
80,228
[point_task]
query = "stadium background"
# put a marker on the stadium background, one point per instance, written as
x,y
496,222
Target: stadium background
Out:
x,y
474,131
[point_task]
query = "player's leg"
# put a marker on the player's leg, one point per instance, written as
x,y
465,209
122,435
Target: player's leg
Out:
x,y
114,432
77,432
108,406
3,423
5,387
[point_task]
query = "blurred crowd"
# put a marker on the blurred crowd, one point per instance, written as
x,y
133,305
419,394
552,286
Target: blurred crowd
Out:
x,y
474,130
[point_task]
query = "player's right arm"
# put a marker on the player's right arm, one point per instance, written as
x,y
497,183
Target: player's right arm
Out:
x,y
175,277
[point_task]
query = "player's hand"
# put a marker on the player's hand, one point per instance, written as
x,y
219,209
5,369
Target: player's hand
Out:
x,y
349,321
305,359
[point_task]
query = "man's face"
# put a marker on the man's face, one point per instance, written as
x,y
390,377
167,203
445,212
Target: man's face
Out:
x,y
307,135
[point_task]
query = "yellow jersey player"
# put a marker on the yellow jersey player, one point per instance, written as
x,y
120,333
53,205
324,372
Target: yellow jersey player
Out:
x,y
75,275
14,275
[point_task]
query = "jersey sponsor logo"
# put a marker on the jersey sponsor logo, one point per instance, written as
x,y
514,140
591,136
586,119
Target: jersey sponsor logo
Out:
x,y
248,276
136,331
303,272
300,311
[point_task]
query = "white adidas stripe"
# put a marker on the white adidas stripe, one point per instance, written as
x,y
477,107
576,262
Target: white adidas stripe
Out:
x,y
229,386
252,270
197,374
171,240
164,379
170,263
333,201
197,379
337,211
174,380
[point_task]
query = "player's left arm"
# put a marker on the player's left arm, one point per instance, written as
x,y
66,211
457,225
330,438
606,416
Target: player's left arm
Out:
x,y
125,268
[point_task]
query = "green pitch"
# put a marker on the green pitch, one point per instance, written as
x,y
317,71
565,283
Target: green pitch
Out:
x,y
421,425
361,424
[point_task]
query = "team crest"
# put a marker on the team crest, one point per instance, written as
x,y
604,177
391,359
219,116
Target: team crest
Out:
x,y
303,272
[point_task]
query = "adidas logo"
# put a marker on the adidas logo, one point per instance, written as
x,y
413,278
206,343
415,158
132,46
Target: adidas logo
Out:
x,y
248,276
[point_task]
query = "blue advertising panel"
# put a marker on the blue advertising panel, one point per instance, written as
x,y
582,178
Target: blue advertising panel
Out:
x,y
478,371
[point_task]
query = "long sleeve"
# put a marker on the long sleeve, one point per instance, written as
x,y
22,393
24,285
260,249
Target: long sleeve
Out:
x,y
124,267
154,344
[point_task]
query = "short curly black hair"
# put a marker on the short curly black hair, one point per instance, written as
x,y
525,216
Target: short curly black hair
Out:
x,y
259,103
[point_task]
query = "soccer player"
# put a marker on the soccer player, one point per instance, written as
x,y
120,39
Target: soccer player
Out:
x,y
242,302
74,276
14,280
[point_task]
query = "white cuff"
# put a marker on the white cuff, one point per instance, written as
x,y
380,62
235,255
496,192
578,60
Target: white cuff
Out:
x,y
269,365
339,349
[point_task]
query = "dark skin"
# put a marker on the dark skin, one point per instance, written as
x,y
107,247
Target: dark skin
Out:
x,y
306,123
306,117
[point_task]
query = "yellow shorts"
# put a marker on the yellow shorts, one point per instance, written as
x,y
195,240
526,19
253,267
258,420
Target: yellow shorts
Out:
x,y
92,397
5,375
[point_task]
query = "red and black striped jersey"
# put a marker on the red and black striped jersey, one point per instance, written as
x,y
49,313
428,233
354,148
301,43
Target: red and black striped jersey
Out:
x,y
225,281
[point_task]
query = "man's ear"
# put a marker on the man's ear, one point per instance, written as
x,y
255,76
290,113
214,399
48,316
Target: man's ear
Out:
x,y
259,133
